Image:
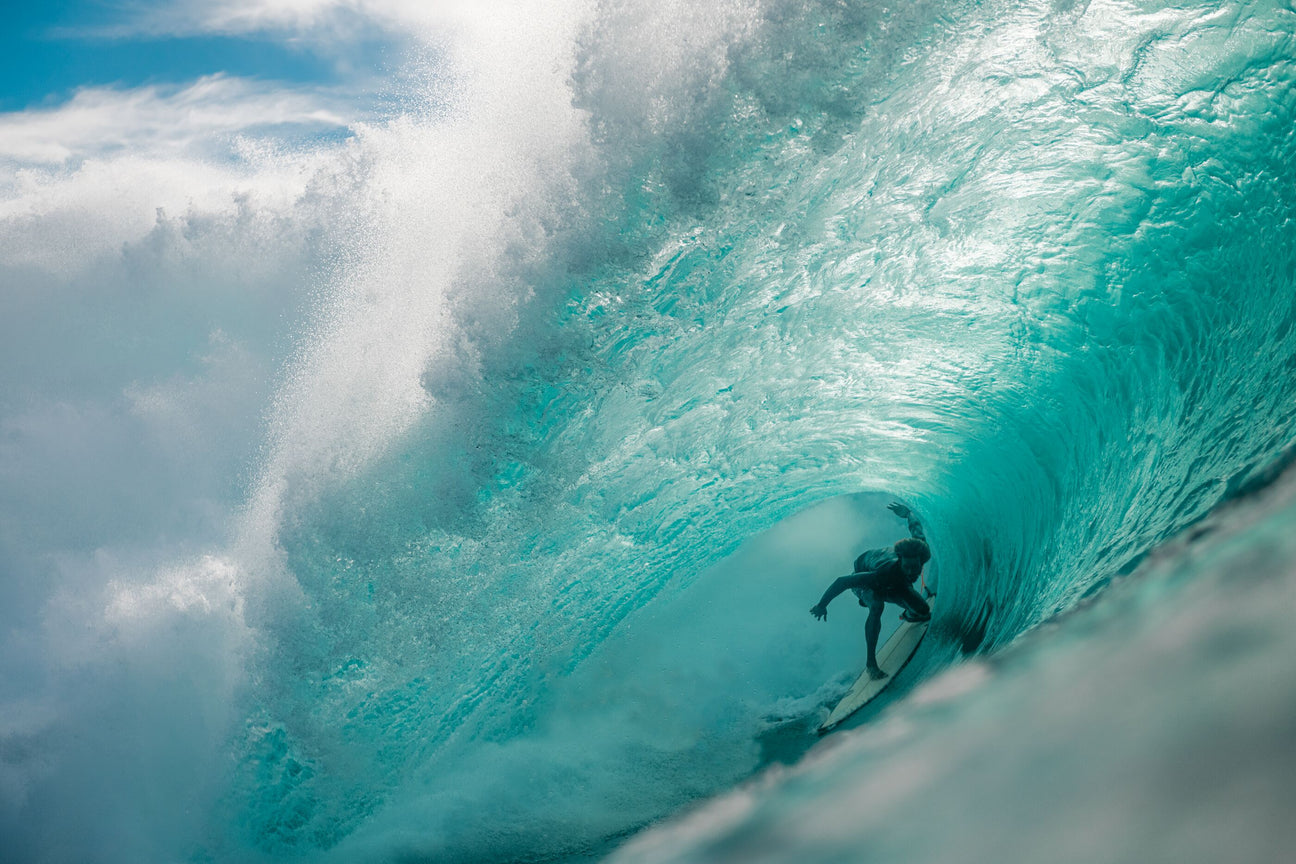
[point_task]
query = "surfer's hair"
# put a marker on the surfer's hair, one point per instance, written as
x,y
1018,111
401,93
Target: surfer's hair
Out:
x,y
912,547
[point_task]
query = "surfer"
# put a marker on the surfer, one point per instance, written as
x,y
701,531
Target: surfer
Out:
x,y
884,576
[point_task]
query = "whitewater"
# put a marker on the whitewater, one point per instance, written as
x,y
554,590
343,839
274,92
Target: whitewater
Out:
x,y
456,489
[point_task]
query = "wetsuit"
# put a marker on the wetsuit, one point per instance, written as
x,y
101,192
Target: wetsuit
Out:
x,y
878,579
882,581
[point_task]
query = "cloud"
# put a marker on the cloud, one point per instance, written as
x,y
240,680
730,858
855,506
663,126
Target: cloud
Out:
x,y
79,180
314,21
204,119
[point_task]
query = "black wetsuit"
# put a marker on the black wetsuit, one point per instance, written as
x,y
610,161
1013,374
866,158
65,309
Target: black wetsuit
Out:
x,y
879,579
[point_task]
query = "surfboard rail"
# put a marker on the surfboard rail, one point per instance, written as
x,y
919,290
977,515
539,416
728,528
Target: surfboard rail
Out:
x,y
892,658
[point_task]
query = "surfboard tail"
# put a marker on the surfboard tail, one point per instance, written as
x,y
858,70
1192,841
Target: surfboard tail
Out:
x,y
892,659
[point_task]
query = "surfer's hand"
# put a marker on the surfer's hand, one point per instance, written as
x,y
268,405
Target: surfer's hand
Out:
x,y
899,509
819,611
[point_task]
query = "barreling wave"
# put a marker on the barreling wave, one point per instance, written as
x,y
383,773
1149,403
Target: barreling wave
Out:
x,y
658,280
1027,265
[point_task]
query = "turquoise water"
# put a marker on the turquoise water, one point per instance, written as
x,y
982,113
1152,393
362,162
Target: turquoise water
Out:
x,y
611,363
1152,724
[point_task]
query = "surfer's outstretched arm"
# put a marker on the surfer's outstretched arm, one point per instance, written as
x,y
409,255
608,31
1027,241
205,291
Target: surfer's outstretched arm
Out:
x,y
854,580
915,527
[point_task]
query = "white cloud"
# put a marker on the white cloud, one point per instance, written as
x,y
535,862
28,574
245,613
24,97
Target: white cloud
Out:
x,y
317,21
201,119
81,179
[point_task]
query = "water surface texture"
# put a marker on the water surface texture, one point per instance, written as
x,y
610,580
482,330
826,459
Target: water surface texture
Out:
x,y
463,497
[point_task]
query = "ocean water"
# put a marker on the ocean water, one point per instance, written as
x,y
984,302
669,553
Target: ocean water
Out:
x,y
456,491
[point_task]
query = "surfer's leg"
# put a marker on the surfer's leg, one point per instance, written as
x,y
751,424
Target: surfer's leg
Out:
x,y
872,629
916,608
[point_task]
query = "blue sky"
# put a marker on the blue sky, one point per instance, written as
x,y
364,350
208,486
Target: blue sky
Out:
x,y
91,78
48,51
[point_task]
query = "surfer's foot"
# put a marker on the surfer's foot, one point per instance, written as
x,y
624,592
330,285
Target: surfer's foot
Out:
x,y
910,617
876,674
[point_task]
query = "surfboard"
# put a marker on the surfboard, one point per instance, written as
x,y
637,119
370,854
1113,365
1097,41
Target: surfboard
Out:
x,y
892,657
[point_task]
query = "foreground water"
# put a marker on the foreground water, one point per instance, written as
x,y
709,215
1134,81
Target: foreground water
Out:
x,y
621,349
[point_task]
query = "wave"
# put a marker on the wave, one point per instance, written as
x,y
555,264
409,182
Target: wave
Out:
x,y
632,337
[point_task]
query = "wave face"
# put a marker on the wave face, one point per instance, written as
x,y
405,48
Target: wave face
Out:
x,y
631,337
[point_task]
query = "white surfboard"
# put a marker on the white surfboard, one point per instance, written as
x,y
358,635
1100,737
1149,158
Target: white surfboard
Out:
x,y
891,658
